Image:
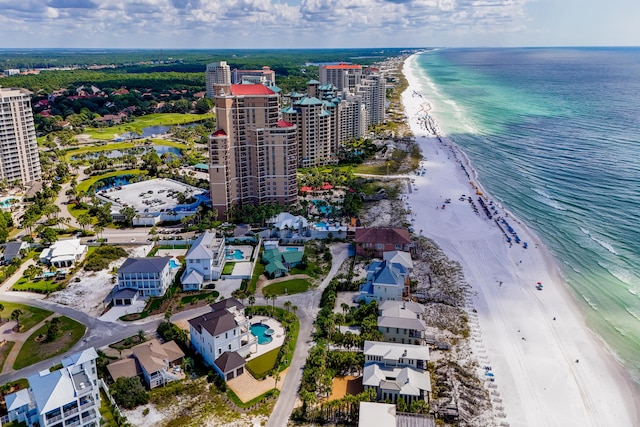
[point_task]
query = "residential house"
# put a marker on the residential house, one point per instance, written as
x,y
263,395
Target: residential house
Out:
x,y
149,276
385,415
224,329
399,257
204,261
69,396
158,363
397,371
402,322
385,281
278,263
373,242
13,250
63,253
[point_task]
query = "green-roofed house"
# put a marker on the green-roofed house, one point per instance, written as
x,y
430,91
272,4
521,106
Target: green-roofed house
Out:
x,y
292,258
271,255
275,269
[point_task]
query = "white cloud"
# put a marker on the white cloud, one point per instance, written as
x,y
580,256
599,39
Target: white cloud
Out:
x,y
257,23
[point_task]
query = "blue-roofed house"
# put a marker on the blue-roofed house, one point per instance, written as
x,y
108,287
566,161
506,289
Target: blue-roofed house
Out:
x,y
386,281
150,276
204,261
69,396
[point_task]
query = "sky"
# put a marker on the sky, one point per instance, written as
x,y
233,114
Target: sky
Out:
x,y
219,24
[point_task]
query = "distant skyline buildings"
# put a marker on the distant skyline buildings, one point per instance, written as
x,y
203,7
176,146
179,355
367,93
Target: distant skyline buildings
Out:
x,y
19,158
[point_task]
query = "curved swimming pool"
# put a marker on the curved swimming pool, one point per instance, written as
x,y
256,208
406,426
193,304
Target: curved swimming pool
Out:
x,y
262,332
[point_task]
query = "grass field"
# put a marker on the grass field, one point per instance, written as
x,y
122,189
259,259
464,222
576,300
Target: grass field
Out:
x,y
5,349
31,316
288,287
33,351
197,297
262,365
40,286
162,119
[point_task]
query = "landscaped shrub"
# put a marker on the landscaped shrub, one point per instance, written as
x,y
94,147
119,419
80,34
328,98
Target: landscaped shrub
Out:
x,y
103,256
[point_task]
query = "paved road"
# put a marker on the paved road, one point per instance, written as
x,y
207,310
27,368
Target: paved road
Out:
x,y
99,333
308,307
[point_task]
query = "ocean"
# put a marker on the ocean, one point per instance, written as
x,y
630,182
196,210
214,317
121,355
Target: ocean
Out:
x,y
554,134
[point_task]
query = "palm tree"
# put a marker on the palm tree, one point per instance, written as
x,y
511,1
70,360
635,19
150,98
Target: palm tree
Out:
x,y
294,308
274,297
98,229
276,376
187,365
287,305
15,315
345,307
252,300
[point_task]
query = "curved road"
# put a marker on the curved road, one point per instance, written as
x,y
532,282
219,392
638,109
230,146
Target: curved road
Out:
x,y
308,308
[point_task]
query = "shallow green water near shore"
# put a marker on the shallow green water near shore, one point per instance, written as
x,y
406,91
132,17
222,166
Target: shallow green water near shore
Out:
x,y
554,134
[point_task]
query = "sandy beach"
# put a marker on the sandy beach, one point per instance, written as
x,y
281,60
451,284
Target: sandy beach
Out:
x,y
550,369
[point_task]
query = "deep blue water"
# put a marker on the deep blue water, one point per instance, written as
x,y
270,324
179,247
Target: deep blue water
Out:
x,y
555,135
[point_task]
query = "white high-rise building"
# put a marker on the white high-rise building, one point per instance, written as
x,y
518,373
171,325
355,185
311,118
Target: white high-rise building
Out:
x,y
19,159
217,74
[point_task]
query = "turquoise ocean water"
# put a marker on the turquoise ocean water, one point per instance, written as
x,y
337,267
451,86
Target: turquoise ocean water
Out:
x,y
555,135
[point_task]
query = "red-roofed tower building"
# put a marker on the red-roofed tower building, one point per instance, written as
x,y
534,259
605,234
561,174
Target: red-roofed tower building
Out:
x,y
253,154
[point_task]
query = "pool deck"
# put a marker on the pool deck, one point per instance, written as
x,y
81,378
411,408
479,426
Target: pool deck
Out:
x,y
278,335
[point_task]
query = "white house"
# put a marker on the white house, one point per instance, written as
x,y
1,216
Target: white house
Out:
x,y
224,329
149,276
69,396
63,253
397,371
156,362
402,322
386,280
204,261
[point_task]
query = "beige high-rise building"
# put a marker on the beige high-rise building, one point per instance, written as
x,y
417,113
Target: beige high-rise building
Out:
x,y
342,76
253,154
372,89
217,74
19,158
315,124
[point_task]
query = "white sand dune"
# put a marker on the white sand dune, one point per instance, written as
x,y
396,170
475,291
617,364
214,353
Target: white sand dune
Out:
x,y
532,355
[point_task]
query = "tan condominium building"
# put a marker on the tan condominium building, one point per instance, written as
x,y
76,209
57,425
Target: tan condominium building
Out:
x,y
265,76
253,154
19,159
217,74
314,120
342,76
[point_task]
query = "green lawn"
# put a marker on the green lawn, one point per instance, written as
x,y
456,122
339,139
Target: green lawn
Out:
x,y
166,119
262,365
31,316
288,287
84,185
228,268
33,351
197,297
5,349
39,286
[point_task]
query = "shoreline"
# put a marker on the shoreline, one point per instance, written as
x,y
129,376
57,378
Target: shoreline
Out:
x,y
550,368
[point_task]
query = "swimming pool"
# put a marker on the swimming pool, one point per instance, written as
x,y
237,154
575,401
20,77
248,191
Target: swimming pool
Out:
x,y
6,203
321,225
262,332
173,264
237,254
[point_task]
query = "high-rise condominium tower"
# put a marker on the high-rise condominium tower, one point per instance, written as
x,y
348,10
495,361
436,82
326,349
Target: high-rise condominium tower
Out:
x,y
217,74
19,160
253,154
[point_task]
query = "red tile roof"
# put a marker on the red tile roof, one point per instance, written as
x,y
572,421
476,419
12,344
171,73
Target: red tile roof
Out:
x,y
383,235
220,132
284,124
253,89
344,66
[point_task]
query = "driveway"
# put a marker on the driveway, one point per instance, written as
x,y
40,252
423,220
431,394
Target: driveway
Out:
x,y
308,308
